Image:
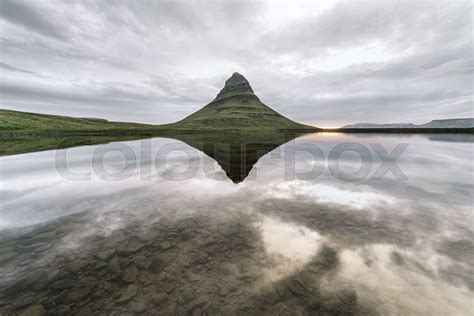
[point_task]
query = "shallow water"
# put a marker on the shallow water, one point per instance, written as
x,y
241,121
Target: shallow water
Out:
x,y
201,226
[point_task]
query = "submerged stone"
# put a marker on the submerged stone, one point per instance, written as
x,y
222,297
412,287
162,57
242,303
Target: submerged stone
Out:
x,y
130,247
77,265
130,275
34,280
128,294
296,288
139,306
159,298
63,284
36,310
79,293
104,255
154,265
5,257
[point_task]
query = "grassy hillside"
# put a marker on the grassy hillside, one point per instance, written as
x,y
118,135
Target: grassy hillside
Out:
x,y
240,111
24,121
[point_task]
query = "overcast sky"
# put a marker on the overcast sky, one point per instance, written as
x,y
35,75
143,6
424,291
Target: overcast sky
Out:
x,y
324,63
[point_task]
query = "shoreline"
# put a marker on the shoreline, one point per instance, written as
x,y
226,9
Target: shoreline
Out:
x,y
158,132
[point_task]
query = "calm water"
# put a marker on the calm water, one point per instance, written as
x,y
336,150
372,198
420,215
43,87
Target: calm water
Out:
x,y
255,225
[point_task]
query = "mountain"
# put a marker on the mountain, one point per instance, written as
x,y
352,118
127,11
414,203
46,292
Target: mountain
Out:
x,y
374,125
237,106
448,123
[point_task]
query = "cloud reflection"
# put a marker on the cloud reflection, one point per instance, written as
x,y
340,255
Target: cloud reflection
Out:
x,y
268,244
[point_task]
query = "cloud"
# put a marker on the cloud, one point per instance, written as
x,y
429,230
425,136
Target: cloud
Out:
x,y
12,68
21,13
324,63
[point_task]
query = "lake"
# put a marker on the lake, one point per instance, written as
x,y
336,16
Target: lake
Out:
x,y
323,223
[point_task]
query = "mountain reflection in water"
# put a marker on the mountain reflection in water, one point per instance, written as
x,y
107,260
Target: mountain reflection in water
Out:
x,y
236,153
248,241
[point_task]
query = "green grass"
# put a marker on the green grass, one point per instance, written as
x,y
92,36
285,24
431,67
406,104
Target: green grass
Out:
x,y
24,121
242,111
229,117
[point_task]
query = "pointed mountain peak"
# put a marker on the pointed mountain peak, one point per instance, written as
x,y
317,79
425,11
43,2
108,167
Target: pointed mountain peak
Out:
x,y
237,107
235,85
236,77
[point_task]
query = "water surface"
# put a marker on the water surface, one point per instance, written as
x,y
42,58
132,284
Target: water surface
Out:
x,y
237,224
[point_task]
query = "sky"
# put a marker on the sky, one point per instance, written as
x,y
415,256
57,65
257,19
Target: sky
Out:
x,y
325,63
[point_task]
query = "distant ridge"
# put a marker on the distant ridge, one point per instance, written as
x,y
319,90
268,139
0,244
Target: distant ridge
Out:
x,y
236,106
374,125
450,123
447,123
